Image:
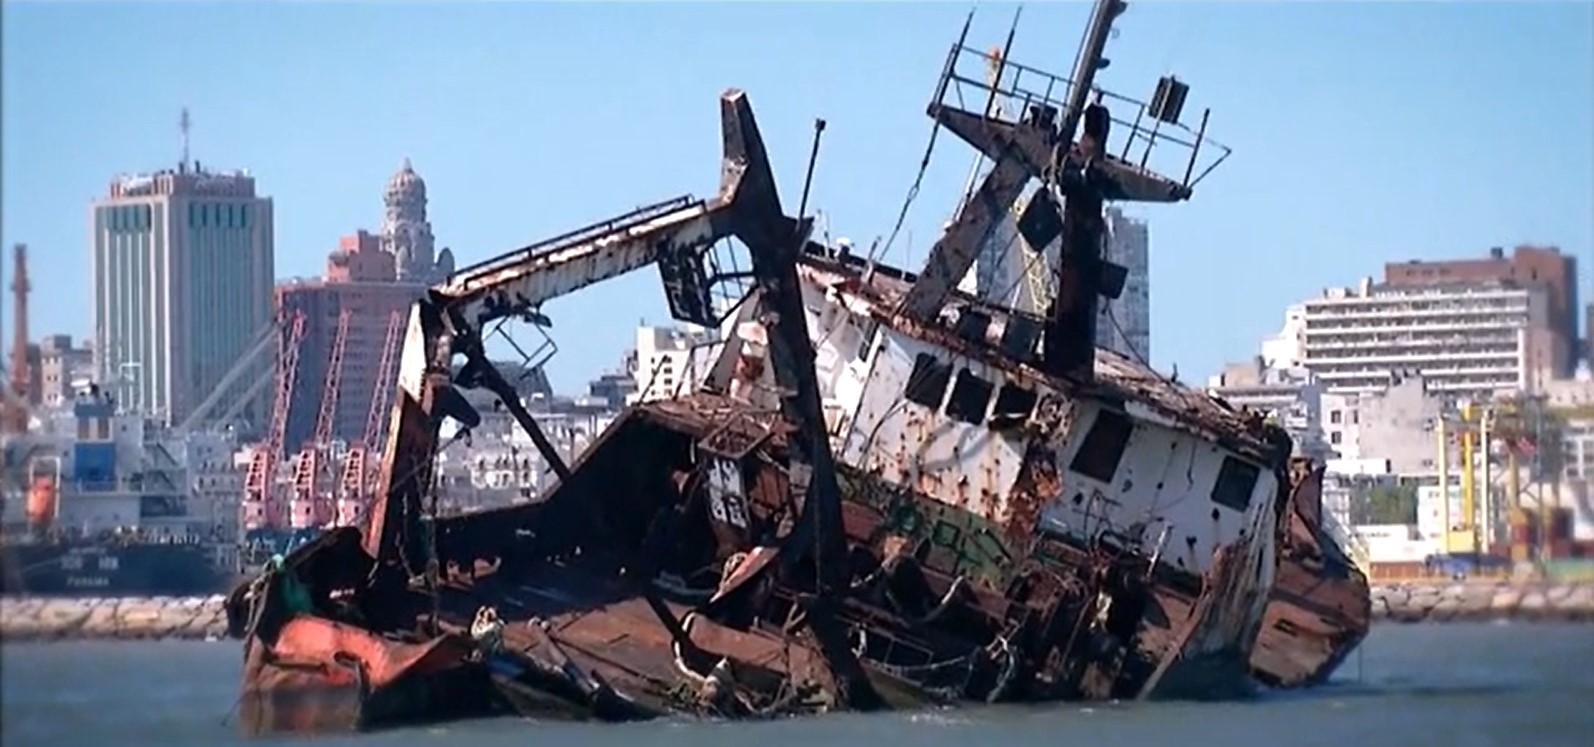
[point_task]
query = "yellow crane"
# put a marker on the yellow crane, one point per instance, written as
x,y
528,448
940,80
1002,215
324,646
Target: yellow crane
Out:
x,y
1524,433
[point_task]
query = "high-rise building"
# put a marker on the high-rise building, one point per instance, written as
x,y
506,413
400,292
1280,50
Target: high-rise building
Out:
x,y
1477,338
407,234
1541,267
182,284
1125,323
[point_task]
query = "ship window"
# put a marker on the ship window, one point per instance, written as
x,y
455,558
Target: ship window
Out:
x,y
866,346
927,383
1013,405
1104,445
970,396
1236,482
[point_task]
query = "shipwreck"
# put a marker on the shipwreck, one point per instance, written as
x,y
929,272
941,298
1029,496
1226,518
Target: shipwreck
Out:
x,y
888,493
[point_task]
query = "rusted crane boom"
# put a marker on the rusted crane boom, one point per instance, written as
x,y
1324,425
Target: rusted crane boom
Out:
x,y
675,235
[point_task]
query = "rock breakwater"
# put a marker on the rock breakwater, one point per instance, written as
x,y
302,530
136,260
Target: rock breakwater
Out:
x,y
198,618
1475,601
35,618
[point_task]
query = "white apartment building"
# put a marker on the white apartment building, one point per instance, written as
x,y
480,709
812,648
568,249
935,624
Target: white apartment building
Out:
x,y
1292,396
1477,339
669,360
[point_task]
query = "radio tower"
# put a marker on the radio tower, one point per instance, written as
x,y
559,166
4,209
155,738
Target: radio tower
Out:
x,y
183,124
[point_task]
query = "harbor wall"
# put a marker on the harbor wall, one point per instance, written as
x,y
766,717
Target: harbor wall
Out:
x,y
131,618
1458,601
38,618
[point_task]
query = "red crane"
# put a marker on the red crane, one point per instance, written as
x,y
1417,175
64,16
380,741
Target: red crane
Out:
x,y
259,508
309,507
359,467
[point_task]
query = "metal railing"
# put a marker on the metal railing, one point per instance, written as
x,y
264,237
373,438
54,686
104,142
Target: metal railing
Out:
x,y
968,80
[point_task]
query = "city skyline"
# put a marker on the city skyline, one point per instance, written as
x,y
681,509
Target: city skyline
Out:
x,y
1329,160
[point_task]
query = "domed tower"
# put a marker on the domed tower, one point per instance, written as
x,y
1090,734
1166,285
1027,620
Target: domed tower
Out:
x,y
406,234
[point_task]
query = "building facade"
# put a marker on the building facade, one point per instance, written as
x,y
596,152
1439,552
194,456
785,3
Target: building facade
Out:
x,y
1538,267
182,276
1476,339
1291,396
361,279
670,361
407,233
1395,425
62,367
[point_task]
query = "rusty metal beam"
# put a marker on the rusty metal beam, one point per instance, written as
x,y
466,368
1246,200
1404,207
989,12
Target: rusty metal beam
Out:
x,y
1117,180
957,249
487,375
405,477
775,241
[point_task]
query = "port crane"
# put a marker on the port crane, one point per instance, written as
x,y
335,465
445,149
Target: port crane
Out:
x,y
363,458
311,504
1517,443
266,343
261,509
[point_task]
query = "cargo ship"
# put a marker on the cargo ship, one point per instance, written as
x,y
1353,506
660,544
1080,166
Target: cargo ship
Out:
x,y
99,503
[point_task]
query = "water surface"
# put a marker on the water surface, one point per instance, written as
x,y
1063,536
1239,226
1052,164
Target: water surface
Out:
x,y
1456,685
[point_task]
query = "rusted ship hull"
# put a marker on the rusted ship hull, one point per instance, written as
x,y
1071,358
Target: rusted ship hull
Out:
x,y
1320,608
1082,622
584,639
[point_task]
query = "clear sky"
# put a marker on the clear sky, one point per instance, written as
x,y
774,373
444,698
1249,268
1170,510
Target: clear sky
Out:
x,y
1363,132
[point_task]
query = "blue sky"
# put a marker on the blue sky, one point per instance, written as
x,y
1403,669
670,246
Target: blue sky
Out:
x,y
1363,132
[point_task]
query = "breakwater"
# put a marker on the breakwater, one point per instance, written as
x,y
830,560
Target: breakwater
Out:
x,y
132,618
37,618
1439,601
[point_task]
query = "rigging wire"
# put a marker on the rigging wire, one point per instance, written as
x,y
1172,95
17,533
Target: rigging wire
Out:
x,y
924,163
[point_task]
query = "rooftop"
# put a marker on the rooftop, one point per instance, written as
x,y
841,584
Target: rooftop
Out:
x,y
187,180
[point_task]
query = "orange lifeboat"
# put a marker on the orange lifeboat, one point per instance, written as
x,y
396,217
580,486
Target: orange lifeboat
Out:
x,y
41,500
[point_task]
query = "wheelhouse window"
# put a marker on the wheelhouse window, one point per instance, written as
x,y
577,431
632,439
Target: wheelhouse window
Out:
x,y
928,381
1236,482
1104,445
970,396
1013,406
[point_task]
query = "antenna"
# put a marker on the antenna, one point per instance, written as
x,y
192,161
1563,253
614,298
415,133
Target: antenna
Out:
x,y
183,124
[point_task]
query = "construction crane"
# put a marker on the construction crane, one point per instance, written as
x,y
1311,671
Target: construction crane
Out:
x,y
310,506
260,509
359,466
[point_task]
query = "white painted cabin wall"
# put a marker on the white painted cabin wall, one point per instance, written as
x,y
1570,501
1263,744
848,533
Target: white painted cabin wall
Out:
x,y
960,464
1165,476
1165,473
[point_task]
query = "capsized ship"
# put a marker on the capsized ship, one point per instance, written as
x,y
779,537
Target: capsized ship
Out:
x,y
888,494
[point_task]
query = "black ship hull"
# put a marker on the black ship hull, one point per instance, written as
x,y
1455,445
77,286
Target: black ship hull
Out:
x,y
109,569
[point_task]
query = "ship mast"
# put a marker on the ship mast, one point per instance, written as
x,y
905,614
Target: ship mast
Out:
x,y
1078,178
1071,335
